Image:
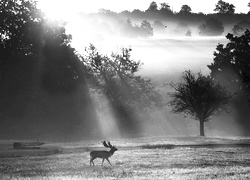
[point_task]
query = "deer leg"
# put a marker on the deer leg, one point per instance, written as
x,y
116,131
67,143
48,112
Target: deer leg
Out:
x,y
108,161
102,161
92,161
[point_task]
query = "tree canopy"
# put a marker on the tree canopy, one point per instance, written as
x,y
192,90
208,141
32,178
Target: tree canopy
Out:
x,y
231,67
185,9
198,97
224,7
114,77
153,6
39,70
231,62
211,27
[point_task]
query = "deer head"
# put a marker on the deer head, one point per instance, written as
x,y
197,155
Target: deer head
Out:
x,y
108,145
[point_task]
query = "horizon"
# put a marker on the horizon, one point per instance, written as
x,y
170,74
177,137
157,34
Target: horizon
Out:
x,y
73,7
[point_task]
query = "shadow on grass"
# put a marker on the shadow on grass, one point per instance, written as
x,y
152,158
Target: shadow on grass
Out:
x,y
158,146
211,145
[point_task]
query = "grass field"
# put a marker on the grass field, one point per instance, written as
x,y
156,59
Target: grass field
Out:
x,y
141,158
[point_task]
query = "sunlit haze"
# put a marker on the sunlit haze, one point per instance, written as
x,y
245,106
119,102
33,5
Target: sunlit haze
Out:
x,y
66,8
85,32
164,54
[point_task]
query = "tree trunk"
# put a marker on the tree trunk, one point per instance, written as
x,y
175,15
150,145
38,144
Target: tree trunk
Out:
x,y
202,133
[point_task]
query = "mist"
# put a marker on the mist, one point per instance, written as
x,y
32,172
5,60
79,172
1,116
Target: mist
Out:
x,y
165,46
165,55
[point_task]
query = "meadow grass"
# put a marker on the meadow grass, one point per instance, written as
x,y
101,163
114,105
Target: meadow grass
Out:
x,y
132,161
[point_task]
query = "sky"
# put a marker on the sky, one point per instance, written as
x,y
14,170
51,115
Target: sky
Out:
x,y
68,10
65,8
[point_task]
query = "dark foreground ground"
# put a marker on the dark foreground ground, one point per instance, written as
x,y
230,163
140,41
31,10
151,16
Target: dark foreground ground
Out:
x,y
142,158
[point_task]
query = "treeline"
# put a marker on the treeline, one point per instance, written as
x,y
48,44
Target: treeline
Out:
x,y
161,19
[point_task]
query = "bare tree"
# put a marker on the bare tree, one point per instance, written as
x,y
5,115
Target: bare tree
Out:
x,y
198,97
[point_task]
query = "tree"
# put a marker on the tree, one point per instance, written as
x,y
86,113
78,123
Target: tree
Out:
x,y
211,27
114,77
231,62
224,7
153,7
198,97
231,67
188,33
165,6
134,30
39,71
185,9
240,27
159,27
165,9
249,7
146,28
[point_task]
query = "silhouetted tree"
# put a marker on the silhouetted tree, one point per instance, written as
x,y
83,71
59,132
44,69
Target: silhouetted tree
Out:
x,y
211,27
224,7
185,9
198,97
39,70
249,7
231,62
153,7
115,78
165,9
231,67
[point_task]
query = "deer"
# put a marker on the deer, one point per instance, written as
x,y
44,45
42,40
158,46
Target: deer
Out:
x,y
103,154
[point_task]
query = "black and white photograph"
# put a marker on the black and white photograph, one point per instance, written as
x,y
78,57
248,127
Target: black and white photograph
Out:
x,y
124,89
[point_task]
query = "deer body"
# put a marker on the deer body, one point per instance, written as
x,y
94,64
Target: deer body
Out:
x,y
102,154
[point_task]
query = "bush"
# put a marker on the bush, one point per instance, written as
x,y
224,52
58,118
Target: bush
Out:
x,y
211,27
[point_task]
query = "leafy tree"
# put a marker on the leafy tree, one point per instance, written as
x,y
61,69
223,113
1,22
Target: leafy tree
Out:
x,y
185,9
224,7
211,27
231,63
153,7
127,93
39,70
237,29
231,67
198,97
240,27
133,30
146,28
165,9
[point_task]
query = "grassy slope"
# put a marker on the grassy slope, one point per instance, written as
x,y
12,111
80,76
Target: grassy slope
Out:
x,y
132,162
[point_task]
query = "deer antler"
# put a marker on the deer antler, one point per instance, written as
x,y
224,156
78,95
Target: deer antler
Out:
x,y
105,144
110,145
103,154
